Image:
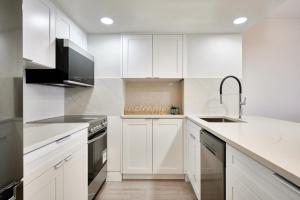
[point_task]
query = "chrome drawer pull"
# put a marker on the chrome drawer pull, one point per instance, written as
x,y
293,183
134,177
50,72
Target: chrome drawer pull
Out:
x,y
58,165
287,183
63,139
68,158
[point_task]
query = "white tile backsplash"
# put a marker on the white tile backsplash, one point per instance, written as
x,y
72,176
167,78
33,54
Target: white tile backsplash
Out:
x,y
41,101
201,96
106,98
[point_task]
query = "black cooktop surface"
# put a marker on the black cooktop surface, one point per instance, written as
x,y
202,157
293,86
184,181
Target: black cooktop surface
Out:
x,y
73,119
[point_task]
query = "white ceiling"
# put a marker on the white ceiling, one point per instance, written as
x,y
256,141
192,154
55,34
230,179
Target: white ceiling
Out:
x,y
288,9
167,16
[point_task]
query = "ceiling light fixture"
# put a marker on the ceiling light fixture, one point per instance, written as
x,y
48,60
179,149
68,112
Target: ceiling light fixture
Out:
x,y
240,20
107,20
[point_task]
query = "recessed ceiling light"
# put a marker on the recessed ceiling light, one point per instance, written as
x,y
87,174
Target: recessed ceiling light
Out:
x,y
240,20
107,20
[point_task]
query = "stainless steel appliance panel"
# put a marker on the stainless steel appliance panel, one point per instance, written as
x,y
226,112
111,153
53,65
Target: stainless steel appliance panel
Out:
x,y
11,102
212,167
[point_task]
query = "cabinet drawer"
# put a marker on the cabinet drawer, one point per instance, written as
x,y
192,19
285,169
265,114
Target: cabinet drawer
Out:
x,y
40,160
193,129
260,181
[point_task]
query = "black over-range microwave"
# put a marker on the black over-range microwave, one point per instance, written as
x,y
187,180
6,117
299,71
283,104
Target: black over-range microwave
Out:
x,y
74,67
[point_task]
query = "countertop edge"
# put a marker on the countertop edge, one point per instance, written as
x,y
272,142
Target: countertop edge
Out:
x,y
38,145
153,116
266,163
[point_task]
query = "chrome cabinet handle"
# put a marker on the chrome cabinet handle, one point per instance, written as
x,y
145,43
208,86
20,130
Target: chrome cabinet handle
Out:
x,y
193,136
58,165
287,183
68,158
63,139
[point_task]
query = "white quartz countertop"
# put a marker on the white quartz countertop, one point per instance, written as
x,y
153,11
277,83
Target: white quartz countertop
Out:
x,y
273,143
39,135
153,116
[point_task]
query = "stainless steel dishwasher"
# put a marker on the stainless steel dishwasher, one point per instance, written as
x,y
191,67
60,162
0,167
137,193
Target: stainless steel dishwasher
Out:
x,y
212,167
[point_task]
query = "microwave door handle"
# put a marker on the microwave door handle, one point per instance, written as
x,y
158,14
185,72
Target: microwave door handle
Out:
x,y
97,138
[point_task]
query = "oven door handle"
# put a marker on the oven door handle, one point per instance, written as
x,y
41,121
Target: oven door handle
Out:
x,y
97,138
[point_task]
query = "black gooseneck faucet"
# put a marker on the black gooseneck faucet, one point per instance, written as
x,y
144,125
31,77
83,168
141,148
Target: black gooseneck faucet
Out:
x,y
240,94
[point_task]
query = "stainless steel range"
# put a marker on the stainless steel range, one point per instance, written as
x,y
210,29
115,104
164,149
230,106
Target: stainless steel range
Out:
x,y
97,147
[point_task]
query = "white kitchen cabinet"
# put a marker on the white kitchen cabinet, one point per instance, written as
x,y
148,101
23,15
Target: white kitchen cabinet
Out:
x,y
75,177
194,156
48,186
39,32
213,55
66,29
247,179
167,56
167,146
58,171
62,26
137,56
137,146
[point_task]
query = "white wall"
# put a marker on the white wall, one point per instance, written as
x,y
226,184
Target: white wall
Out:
x,y
272,69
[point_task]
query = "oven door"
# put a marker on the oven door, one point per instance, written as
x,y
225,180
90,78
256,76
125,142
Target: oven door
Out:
x,y
97,153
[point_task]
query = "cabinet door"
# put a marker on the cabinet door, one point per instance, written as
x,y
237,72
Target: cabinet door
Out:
x,y
167,146
48,186
191,158
197,168
75,175
247,179
167,56
62,26
137,56
137,146
39,32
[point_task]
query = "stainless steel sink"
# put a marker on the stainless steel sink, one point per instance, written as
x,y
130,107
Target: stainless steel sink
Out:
x,y
220,120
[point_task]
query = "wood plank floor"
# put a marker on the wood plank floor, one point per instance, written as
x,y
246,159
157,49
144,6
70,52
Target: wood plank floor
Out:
x,y
146,190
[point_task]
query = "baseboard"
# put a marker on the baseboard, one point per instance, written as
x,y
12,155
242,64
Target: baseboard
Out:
x,y
114,177
154,176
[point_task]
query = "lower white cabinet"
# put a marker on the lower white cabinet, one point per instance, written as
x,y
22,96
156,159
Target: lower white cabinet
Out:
x,y
49,186
152,146
194,156
75,175
167,146
137,146
247,179
58,171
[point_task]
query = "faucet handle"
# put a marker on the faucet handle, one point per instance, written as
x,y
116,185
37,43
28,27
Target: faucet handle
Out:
x,y
244,101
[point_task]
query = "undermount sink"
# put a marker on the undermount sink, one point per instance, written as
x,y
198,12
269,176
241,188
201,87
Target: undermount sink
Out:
x,y
220,120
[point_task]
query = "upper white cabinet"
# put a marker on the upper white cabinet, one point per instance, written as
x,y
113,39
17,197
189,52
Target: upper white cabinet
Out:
x,y
167,146
247,179
39,32
63,26
137,146
137,56
157,56
66,29
167,56
213,55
